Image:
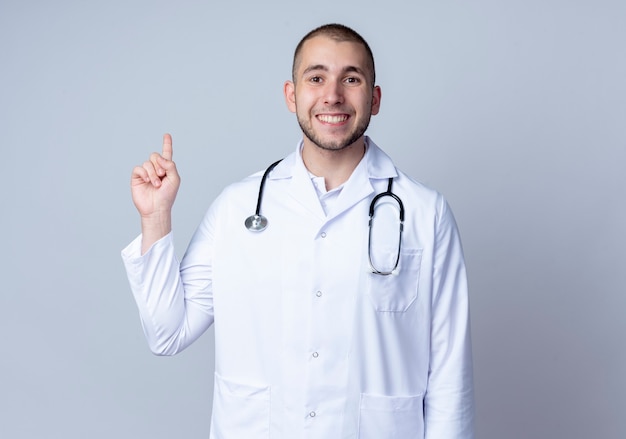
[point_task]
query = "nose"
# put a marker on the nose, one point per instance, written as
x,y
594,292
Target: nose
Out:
x,y
333,93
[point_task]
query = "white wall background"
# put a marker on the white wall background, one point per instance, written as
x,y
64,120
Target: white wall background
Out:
x,y
515,110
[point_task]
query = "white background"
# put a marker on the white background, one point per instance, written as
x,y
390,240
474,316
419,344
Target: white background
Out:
x,y
515,110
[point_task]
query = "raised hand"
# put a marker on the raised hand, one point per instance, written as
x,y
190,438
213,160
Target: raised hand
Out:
x,y
154,186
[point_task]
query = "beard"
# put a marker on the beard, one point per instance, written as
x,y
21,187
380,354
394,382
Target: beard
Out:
x,y
338,144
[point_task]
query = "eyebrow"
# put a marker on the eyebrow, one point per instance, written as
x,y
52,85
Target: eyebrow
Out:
x,y
347,69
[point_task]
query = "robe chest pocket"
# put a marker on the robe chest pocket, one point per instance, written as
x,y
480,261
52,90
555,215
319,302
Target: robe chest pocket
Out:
x,y
397,291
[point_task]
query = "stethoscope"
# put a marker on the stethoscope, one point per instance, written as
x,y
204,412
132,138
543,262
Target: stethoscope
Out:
x,y
258,222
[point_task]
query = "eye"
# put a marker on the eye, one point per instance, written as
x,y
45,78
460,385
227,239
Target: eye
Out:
x,y
352,80
315,79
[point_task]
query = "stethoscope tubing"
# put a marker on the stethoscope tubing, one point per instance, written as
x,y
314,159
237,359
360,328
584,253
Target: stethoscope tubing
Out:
x,y
258,222
387,193
257,212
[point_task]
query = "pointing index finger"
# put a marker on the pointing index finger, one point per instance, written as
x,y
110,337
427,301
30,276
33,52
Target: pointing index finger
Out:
x,y
167,147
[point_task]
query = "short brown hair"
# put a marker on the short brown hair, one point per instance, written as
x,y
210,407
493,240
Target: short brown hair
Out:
x,y
339,33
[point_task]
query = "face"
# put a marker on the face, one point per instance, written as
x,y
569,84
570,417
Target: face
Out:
x,y
333,95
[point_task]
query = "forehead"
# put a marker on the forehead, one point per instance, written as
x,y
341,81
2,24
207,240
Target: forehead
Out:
x,y
332,55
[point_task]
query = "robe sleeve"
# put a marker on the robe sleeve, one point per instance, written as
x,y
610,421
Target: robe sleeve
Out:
x,y
449,399
175,299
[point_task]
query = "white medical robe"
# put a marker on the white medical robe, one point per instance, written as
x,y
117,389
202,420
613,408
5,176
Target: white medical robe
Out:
x,y
309,342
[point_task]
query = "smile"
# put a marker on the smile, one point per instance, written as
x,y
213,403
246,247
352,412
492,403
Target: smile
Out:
x,y
326,118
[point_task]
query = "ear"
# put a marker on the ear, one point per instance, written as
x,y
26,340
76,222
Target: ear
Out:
x,y
289,90
376,96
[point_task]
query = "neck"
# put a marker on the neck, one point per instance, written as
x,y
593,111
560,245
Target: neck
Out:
x,y
335,166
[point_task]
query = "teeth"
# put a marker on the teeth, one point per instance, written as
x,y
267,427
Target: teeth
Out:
x,y
332,119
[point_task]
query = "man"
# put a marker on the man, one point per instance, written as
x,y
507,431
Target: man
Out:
x,y
324,327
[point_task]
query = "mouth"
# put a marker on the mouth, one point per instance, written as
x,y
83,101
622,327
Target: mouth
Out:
x,y
333,119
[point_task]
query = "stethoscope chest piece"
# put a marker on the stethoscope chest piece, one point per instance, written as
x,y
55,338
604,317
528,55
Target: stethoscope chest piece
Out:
x,y
256,223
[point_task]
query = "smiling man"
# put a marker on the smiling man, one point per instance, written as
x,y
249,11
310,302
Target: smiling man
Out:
x,y
336,88
355,322
334,96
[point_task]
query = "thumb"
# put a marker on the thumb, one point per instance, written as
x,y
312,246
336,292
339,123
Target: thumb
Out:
x,y
168,166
